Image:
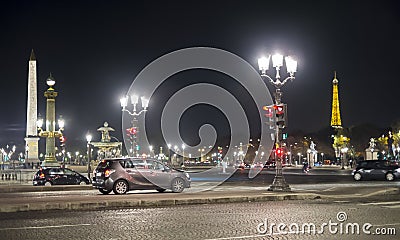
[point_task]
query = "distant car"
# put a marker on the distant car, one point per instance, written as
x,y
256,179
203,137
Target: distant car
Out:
x,y
244,165
123,174
269,164
59,176
376,169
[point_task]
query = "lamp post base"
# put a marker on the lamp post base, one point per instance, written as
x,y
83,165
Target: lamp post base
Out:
x,y
279,185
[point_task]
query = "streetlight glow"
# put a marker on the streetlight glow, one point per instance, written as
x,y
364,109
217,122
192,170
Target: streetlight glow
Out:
x,y
291,65
134,99
61,123
277,60
39,122
124,102
88,138
145,102
263,63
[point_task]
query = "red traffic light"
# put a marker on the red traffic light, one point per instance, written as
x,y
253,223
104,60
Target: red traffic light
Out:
x,y
279,152
63,139
280,109
131,131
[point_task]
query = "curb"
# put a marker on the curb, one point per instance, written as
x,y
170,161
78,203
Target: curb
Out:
x,y
28,188
113,204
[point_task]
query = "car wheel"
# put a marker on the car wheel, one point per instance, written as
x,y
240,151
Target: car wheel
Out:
x,y
48,183
389,176
161,190
357,176
120,187
104,191
177,185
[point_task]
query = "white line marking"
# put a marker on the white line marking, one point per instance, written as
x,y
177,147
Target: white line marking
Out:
x,y
381,203
40,227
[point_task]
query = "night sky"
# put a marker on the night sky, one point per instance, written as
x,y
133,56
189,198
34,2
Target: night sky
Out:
x,y
94,49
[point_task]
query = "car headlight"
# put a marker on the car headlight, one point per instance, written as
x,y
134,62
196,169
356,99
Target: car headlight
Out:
x,y
187,175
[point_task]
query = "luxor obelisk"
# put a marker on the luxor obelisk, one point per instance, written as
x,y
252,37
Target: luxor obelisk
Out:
x,y
32,139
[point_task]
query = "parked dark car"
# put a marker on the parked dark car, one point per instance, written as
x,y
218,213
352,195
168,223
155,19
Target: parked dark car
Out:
x,y
124,174
376,169
59,176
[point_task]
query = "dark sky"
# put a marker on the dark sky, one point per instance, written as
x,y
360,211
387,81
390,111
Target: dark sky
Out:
x,y
95,49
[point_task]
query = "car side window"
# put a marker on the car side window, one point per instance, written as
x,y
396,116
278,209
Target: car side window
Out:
x,y
155,165
139,164
363,164
371,164
129,164
122,163
54,171
68,172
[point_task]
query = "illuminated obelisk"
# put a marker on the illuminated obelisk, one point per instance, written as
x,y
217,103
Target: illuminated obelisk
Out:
x,y
32,139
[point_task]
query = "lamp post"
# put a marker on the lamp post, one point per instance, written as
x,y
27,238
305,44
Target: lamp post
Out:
x,y
175,155
50,133
344,151
134,100
88,139
151,150
183,155
279,183
322,158
169,154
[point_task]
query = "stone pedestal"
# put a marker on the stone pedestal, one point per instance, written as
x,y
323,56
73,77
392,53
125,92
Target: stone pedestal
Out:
x,y
371,154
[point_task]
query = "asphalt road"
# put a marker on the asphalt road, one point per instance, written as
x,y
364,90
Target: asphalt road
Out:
x,y
332,218
294,175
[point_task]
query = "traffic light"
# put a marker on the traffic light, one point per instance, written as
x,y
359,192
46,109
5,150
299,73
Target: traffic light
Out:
x,y
270,114
281,115
279,152
63,139
284,136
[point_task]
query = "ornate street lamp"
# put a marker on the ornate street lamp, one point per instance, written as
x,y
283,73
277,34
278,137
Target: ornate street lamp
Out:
x,y
134,100
50,132
279,183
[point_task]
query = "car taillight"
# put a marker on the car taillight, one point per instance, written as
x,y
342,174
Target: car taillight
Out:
x,y
41,175
108,172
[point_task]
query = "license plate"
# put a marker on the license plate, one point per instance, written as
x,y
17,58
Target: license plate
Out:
x,y
98,174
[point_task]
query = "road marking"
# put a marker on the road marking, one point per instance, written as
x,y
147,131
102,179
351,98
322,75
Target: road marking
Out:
x,y
396,206
41,227
329,189
381,203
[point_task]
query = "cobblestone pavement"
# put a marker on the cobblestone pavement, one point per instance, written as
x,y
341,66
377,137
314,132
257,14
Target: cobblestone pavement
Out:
x,y
211,221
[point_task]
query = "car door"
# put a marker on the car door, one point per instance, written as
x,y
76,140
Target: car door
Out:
x,y
137,170
158,174
378,170
57,176
71,177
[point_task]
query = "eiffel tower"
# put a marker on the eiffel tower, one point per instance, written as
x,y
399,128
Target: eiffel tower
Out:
x,y
336,121
341,142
